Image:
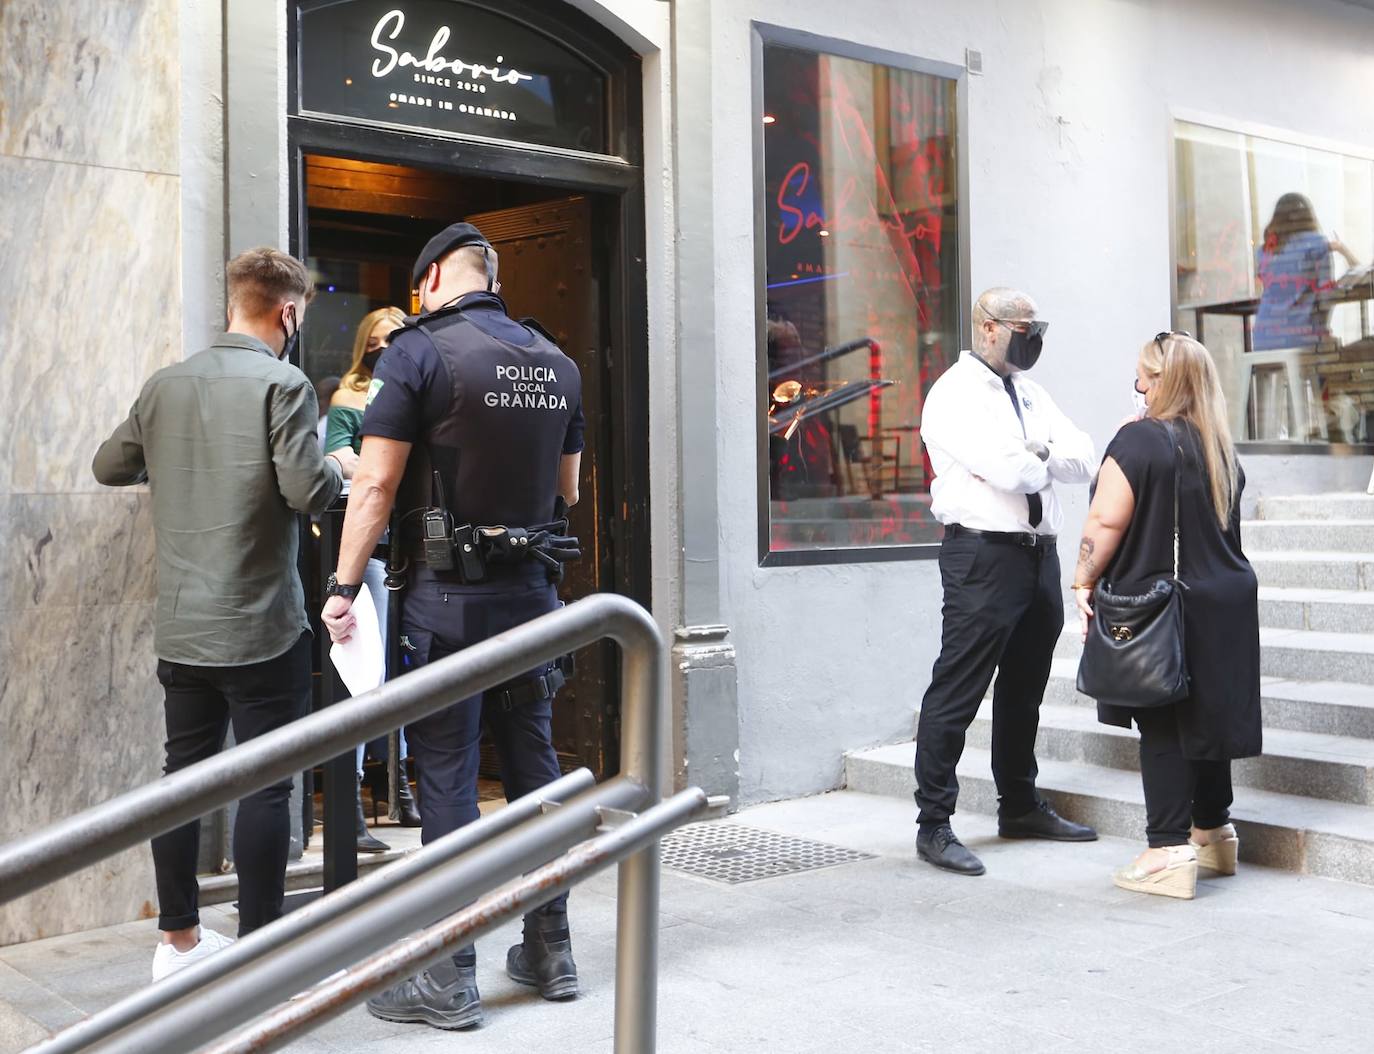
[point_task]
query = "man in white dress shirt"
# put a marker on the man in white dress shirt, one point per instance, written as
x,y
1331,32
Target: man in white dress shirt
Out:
x,y
998,444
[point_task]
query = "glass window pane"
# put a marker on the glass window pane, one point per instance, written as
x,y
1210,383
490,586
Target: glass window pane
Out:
x,y
1273,243
862,228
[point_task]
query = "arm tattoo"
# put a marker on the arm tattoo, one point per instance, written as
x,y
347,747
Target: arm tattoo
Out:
x,y
1086,548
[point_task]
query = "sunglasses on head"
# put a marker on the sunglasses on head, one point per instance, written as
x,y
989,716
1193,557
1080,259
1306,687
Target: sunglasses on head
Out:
x,y
1160,338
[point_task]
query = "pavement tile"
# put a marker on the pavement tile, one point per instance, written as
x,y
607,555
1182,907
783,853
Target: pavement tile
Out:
x,y
881,956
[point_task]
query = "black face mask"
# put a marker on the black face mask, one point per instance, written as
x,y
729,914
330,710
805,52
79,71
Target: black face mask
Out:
x,y
370,359
1023,350
292,339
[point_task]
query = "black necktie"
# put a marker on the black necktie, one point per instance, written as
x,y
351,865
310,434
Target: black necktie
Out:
x,y
1036,510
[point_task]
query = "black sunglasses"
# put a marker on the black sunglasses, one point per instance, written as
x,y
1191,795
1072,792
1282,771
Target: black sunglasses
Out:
x,y
1034,327
1161,337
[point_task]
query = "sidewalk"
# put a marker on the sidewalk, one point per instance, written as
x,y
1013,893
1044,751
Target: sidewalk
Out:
x,y
878,956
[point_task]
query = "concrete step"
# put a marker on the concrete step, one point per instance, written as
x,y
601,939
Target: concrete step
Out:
x,y
1310,764
1316,569
1315,655
1329,535
1343,506
1329,839
1328,707
1333,610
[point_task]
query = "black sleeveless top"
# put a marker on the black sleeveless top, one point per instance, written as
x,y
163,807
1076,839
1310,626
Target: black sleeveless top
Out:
x,y
1221,717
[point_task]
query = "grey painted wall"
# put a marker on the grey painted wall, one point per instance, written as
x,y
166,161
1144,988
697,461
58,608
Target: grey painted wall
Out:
x,y
1068,132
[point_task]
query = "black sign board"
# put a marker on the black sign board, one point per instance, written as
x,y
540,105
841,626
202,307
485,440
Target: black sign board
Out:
x,y
451,67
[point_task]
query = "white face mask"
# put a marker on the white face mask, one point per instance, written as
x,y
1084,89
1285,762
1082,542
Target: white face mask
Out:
x,y
1138,401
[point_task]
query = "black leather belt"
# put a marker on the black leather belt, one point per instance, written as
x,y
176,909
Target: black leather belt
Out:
x,y
1021,538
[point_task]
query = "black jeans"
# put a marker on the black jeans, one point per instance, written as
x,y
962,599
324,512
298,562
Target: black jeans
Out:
x,y
201,703
1002,612
1178,792
436,621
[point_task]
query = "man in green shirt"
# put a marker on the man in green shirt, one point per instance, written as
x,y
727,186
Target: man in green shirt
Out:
x,y
227,442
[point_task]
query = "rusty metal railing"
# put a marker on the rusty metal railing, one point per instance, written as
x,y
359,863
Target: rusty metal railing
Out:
x,y
470,881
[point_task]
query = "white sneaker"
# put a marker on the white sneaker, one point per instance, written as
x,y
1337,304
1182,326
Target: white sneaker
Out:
x,y
167,960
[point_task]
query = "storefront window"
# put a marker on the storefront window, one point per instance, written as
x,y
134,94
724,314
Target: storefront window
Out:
x,y
1273,243
861,224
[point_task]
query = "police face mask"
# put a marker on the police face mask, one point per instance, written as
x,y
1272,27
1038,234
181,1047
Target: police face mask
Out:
x,y
293,337
1023,350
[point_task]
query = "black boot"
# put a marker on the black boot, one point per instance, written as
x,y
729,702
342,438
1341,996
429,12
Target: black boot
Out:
x,y
405,802
367,843
544,958
445,996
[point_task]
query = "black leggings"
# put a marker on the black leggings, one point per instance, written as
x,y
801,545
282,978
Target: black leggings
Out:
x,y
1178,792
201,703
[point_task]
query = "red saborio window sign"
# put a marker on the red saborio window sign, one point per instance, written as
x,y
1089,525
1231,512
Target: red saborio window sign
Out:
x,y
448,67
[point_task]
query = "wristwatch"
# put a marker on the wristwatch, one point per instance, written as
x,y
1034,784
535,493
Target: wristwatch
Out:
x,y
334,588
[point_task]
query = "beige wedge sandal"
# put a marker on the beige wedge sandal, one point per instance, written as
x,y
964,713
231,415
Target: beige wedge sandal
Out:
x,y
1177,878
1219,851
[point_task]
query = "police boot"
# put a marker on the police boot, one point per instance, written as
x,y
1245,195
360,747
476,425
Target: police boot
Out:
x,y
405,802
544,958
444,995
366,842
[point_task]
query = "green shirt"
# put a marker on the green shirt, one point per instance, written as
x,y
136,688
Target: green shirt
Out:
x,y
343,428
227,442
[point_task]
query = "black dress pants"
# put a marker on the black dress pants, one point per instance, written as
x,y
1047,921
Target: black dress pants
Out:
x,y
201,702
1003,611
1178,792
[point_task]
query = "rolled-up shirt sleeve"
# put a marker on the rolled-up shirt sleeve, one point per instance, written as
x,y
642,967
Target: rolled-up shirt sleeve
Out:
x,y
1002,461
1073,457
306,478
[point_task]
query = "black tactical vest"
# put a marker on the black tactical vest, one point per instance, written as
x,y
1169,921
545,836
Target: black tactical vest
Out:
x,y
498,449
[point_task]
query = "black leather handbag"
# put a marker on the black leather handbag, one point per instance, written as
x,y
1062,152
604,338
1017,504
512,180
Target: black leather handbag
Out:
x,y
1134,653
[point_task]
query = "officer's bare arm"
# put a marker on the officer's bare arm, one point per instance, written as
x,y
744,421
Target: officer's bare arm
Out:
x,y
568,469
380,467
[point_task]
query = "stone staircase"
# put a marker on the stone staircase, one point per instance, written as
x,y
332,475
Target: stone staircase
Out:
x,y
1305,804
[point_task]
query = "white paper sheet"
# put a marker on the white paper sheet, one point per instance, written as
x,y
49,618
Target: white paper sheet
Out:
x,y
360,661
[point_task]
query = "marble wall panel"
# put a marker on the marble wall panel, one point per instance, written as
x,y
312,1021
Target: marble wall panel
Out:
x,y
77,549
91,81
82,714
91,287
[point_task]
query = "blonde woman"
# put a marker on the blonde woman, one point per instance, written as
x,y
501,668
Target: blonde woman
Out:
x,y
1186,748
350,399
343,428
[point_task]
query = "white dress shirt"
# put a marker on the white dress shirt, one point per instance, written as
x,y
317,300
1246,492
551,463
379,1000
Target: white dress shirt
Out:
x,y
977,446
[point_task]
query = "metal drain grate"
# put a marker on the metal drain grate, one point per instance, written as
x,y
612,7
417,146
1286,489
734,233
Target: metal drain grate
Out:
x,y
733,853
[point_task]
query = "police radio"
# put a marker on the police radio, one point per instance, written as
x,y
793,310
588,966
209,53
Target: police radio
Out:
x,y
436,532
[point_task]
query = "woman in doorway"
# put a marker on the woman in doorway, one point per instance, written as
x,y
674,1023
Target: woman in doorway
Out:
x,y
1186,748
343,430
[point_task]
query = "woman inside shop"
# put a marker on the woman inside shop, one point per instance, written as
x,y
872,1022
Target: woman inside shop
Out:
x,y
344,425
1186,747
1294,270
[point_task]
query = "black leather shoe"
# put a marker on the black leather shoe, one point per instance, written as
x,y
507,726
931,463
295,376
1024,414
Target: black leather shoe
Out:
x,y
941,848
544,958
1044,822
444,996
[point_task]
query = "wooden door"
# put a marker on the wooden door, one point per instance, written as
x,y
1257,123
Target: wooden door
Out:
x,y
549,271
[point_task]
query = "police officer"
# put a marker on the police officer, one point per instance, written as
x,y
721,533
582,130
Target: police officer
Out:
x,y
473,433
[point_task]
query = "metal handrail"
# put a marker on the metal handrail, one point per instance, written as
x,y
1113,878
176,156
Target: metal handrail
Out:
x,y
391,902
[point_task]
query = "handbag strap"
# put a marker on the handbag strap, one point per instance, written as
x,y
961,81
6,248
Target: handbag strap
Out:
x,y
1178,474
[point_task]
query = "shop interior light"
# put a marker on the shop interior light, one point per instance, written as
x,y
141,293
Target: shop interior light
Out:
x,y
823,233
768,118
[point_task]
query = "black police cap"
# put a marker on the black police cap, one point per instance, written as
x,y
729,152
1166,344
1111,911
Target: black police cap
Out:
x,y
454,236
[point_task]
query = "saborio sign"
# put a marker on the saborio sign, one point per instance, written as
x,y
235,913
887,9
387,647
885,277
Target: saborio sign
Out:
x,y
450,67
